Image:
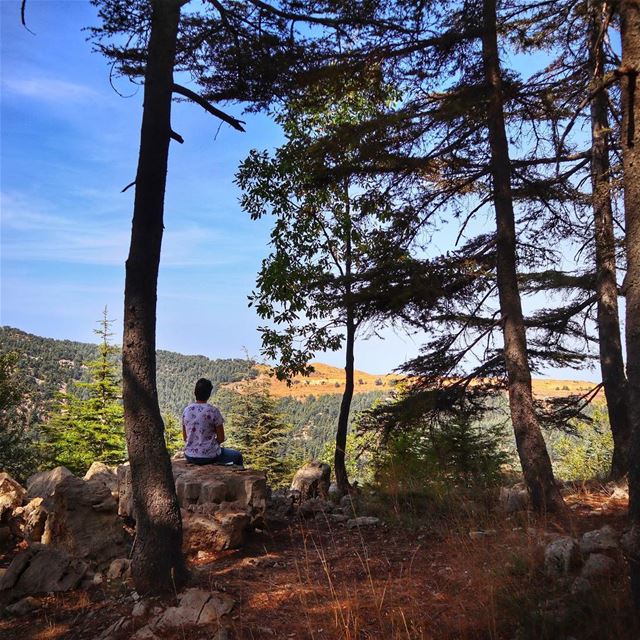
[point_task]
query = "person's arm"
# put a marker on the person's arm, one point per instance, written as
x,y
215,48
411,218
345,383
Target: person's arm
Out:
x,y
184,430
220,433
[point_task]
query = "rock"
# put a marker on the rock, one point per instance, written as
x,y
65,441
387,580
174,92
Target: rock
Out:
x,y
227,528
620,493
479,535
100,471
115,630
221,634
337,518
140,608
11,494
580,587
218,605
145,633
43,484
41,569
84,521
125,491
97,579
363,521
598,566
279,508
334,492
195,606
561,556
349,504
603,539
312,480
309,508
513,499
119,569
207,486
31,519
24,606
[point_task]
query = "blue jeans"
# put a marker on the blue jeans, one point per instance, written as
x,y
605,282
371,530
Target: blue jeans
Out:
x,y
227,456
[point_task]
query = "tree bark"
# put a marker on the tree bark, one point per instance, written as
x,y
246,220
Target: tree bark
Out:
x,y
630,140
611,361
157,563
536,465
342,478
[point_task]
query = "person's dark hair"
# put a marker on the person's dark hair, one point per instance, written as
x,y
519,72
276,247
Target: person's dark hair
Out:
x,y
203,389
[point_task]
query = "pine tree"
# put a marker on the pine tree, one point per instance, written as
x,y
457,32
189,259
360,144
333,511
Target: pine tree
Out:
x,y
254,425
88,424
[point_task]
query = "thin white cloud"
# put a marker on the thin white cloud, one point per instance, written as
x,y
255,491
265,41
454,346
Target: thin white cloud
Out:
x,y
37,231
48,89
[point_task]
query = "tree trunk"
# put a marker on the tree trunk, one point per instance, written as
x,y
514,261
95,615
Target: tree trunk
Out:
x,y
342,478
630,35
158,565
611,361
536,465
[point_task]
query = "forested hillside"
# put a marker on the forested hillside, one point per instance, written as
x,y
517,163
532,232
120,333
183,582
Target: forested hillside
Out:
x,y
48,366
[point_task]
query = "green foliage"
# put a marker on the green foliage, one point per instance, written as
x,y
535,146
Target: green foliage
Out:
x,y
255,427
84,430
20,454
358,459
419,447
46,366
314,421
172,434
585,453
323,226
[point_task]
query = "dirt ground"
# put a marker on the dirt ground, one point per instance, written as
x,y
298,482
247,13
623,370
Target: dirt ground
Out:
x,y
402,579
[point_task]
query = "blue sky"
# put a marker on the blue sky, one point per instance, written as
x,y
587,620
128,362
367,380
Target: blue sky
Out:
x,y
69,145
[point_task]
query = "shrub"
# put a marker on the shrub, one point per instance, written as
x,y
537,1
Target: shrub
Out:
x,y
586,452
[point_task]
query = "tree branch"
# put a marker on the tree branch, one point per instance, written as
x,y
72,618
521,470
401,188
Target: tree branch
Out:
x,y
194,97
177,137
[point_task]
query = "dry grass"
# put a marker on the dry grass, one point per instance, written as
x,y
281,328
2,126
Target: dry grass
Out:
x,y
330,380
418,576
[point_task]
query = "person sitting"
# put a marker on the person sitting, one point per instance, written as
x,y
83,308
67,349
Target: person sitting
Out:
x,y
203,431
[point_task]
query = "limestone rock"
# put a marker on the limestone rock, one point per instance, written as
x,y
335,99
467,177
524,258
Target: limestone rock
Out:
x,y
100,471
312,480
119,569
226,528
604,539
43,484
125,491
32,519
279,508
598,566
195,606
40,569
309,508
561,556
513,499
84,521
337,518
24,606
212,485
349,505
363,521
11,494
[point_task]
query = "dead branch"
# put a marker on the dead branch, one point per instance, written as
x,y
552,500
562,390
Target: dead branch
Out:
x,y
194,97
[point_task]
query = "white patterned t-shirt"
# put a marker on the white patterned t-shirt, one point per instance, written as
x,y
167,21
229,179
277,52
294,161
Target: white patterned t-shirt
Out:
x,y
199,420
